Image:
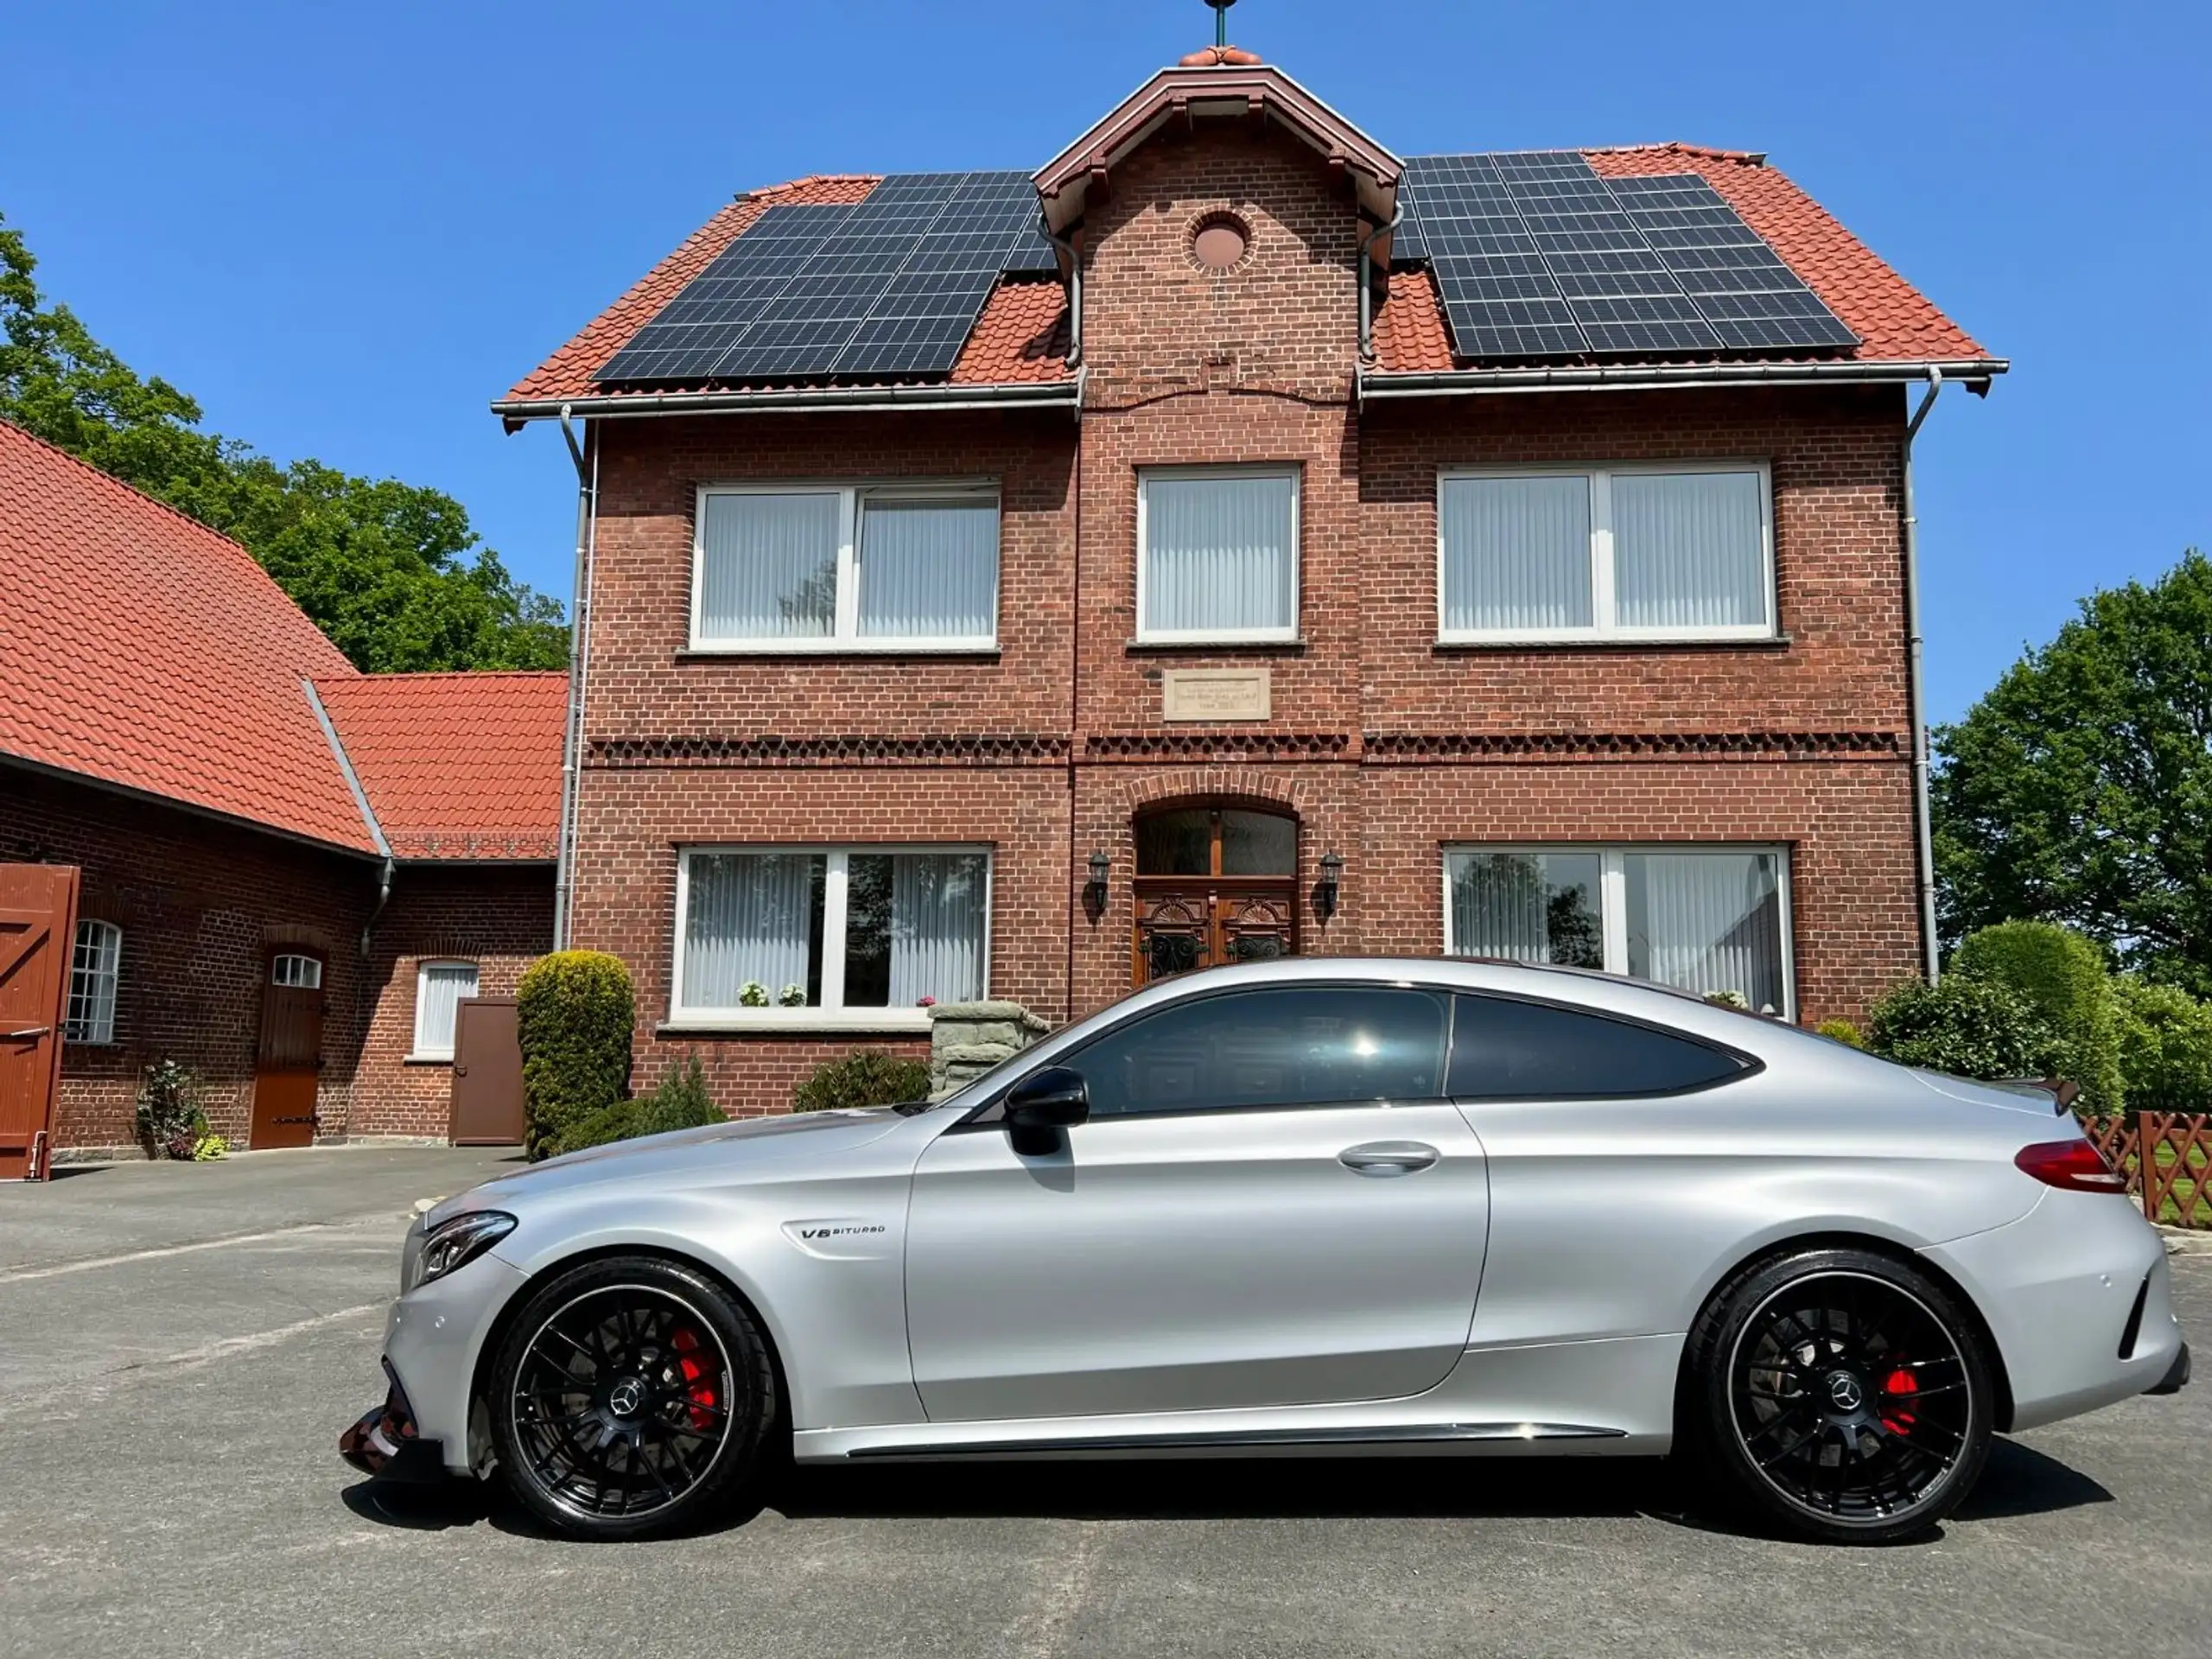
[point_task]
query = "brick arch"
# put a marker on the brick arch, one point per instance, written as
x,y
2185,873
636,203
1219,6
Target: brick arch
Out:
x,y
1216,784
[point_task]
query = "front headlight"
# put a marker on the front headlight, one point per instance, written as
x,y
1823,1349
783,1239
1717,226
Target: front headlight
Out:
x,y
457,1241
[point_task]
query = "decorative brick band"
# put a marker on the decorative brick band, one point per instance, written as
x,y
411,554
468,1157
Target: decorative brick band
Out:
x,y
941,749
1216,746
1417,747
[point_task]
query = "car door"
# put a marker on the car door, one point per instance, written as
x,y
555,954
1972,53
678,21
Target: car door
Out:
x,y
1271,1204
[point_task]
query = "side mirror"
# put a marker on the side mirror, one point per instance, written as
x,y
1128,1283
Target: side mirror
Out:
x,y
1041,1105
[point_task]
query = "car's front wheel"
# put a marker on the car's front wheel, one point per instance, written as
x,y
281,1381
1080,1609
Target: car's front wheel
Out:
x,y
631,1395
1841,1392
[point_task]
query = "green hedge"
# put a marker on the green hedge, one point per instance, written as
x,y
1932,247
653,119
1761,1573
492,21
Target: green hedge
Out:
x,y
867,1077
574,1011
2165,1046
680,1102
2061,975
1969,1027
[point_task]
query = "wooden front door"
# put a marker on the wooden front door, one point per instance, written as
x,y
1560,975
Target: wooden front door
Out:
x,y
1214,885
487,1108
289,1065
38,930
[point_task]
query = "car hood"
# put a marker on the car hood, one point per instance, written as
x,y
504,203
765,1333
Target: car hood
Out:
x,y
718,1151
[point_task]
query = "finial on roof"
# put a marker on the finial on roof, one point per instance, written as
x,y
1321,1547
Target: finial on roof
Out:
x,y
1221,51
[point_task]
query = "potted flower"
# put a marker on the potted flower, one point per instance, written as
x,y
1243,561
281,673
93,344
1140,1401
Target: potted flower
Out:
x,y
752,995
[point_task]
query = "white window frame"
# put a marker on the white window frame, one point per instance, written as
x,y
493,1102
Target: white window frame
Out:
x,y
428,1051
1599,478
830,1014
312,982
1612,892
1286,634
110,970
845,638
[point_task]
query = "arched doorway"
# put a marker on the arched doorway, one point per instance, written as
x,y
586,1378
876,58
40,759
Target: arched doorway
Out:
x,y
1214,883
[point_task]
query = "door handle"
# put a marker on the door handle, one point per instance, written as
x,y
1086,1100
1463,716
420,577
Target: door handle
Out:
x,y
1388,1158
27,1034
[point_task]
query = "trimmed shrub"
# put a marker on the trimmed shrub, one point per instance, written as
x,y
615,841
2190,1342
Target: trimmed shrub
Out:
x,y
1841,1031
1969,1027
2165,1046
2061,975
867,1077
574,1011
680,1101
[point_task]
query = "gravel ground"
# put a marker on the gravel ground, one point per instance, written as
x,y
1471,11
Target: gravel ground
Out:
x,y
180,1346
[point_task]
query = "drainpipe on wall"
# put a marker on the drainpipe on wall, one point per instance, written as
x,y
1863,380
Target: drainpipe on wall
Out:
x,y
1915,695
1074,293
579,635
1367,283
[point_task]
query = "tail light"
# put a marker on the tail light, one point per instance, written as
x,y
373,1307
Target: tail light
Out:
x,y
2071,1166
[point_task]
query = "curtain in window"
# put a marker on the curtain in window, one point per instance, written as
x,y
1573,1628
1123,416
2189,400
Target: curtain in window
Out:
x,y
94,959
1688,551
1539,907
937,925
1707,922
439,988
1217,554
769,566
750,916
1517,554
929,569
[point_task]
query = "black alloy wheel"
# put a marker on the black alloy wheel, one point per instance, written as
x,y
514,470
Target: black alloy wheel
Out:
x,y
631,1395
1845,1394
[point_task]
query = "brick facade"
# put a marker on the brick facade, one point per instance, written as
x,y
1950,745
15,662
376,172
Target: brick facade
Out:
x,y
1386,745
200,903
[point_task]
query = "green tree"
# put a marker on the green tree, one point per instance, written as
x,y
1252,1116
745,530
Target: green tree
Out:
x,y
2079,789
384,568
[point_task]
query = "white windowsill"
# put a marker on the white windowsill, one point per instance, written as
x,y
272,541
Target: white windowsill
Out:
x,y
856,647
426,1059
1759,636
738,1022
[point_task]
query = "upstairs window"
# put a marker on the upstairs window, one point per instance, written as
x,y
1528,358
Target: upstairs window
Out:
x,y
1673,552
95,967
1216,555
836,935
906,567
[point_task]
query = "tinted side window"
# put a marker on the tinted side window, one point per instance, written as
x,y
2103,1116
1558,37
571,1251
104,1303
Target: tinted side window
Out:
x,y
1296,1047
1503,1048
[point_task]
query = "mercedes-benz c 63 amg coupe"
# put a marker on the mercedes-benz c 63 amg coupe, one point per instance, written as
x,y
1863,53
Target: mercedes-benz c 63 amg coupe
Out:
x,y
1299,1208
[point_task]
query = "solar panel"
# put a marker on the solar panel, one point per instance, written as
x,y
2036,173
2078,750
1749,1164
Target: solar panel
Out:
x,y
1535,255
891,284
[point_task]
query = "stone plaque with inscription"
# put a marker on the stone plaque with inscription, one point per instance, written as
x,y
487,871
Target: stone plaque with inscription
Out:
x,y
1213,694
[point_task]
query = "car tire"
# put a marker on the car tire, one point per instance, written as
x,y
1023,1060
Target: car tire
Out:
x,y
1840,1395
633,1394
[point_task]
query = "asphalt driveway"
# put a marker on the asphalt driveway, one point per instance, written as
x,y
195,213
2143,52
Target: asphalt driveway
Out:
x,y
180,1346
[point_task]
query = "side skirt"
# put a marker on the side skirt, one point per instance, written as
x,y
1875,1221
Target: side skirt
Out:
x,y
1229,1442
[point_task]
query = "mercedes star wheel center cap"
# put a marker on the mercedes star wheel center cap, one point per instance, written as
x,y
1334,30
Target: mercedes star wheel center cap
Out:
x,y
623,1399
1843,1392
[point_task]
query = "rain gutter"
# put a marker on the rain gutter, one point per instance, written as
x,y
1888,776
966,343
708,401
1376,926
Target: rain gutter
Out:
x,y
794,399
389,865
1974,373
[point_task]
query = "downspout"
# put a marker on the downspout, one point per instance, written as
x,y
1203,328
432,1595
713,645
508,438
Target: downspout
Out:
x,y
1075,711
1075,292
579,635
1367,280
1916,696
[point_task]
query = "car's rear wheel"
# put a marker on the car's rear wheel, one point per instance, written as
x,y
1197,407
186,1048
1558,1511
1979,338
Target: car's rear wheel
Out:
x,y
631,1395
1840,1393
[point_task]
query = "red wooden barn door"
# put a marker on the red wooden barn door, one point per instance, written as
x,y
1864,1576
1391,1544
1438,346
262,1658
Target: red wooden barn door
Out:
x,y
38,930
289,1067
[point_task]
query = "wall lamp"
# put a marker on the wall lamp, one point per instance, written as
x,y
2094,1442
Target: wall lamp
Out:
x,y
1324,890
1093,891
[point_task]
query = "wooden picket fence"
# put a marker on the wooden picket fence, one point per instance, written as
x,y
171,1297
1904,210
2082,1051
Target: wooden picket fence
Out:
x,y
2174,1182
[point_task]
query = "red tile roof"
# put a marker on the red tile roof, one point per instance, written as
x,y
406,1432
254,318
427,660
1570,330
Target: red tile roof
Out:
x,y
1891,318
456,765
140,648
1409,332
1022,335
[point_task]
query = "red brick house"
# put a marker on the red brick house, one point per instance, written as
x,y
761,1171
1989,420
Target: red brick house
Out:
x,y
1313,551
291,872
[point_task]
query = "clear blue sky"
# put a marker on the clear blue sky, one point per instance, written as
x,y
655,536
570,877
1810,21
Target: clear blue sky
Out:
x,y
345,228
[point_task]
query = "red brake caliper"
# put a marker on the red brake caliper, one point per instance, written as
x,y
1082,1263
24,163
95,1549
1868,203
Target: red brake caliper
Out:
x,y
696,1388
1898,1387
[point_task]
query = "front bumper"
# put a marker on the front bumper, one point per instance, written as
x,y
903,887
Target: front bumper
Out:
x,y
385,1442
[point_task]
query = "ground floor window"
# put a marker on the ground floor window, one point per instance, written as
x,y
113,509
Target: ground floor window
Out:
x,y
95,965
864,935
440,987
1708,919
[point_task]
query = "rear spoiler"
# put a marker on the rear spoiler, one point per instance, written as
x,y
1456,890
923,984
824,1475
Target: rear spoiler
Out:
x,y
2063,1091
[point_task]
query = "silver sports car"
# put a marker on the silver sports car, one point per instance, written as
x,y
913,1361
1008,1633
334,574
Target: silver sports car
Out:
x,y
1299,1208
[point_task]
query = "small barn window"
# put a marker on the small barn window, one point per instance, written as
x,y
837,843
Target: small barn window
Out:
x,y
296,973
94,966
439,988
